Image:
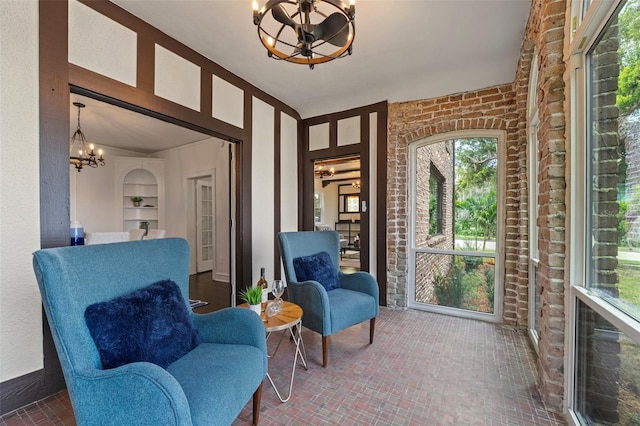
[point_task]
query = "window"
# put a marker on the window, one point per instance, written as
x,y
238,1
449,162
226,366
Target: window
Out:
x,y
436,201
317,207
533,162
606,274
351,203
455,224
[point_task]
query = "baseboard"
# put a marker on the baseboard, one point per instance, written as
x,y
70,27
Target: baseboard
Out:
x,y
223,278
23,390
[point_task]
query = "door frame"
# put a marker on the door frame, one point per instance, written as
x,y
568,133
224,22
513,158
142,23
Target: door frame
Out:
x,y
372,150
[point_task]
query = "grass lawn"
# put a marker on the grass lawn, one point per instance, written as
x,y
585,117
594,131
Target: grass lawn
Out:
x,y
629,284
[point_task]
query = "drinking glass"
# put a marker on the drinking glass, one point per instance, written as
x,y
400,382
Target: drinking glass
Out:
x,y
278,289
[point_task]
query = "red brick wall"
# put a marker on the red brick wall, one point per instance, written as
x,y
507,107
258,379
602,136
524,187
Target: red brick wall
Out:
x,y
490,108
505,108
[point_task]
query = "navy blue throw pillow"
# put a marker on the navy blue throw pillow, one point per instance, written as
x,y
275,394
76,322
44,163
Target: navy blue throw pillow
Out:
x,y
151,324
317,267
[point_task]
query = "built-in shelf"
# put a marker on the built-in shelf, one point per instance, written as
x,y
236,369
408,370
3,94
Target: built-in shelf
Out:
x,y
141,178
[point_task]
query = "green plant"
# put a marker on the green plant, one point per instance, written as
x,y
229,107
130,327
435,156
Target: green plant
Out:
x,y
136,199
252,295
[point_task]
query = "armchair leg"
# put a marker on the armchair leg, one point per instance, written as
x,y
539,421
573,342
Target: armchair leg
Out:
x,y
257,396
325,350
372,328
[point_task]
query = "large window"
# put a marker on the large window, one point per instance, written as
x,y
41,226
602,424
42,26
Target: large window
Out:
x,y
606,287
455,246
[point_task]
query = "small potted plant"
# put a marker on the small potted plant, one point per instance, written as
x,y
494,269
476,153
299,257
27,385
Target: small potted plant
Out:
x,y
253,296
136,201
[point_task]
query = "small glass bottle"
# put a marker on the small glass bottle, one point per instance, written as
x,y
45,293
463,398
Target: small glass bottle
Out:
x,y
264,285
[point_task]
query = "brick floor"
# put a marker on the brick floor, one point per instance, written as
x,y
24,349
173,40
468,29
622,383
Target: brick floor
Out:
x,y
423,369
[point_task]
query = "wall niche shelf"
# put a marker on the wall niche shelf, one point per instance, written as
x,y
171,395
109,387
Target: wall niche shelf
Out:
x,y
142,178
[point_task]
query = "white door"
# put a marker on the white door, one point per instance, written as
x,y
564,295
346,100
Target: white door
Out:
x,y
204,226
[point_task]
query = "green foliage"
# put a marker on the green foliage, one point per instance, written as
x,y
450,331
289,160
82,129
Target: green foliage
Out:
x,y
136,199
450,290
477,215
476,163
628,95
252,295
623,207
490,284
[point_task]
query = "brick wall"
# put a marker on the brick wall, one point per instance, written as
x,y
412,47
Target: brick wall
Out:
x,y
408,122
504,108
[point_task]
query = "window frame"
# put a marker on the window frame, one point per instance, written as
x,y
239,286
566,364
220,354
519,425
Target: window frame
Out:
x,y
588,25
498,255
533,162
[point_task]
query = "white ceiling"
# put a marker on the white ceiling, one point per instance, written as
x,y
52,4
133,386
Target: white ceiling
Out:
x,y
403,50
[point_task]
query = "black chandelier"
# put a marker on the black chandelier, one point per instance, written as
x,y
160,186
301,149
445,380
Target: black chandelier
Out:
x,y
85,157
323,30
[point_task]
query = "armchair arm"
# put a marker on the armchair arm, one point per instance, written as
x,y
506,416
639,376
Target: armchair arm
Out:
x,y
314,301
237,326
360,281
139,393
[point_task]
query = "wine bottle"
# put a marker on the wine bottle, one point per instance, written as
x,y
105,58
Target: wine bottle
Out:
x,y
262,283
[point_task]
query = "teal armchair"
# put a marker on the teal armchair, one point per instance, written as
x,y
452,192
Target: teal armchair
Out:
x,y
208,385
327,312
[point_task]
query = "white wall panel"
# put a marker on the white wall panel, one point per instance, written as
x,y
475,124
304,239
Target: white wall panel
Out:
x,y
349,131
319,136
177,79
102,45
227,102
20,308
288,173
262,185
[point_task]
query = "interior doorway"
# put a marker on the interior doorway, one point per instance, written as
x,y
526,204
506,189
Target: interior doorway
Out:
x,y
196,195
337,206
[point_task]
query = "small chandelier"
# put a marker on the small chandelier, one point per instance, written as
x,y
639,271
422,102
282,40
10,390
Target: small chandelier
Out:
x,y
321,30
356,184
85,157
322,173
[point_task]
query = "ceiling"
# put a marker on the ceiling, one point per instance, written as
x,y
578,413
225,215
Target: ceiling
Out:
x,y
403,50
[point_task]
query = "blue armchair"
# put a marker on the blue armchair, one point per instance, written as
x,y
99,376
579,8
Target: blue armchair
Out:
x,y
209,385
327,312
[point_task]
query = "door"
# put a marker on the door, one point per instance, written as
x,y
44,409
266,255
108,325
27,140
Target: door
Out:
x,y
455,245
204,226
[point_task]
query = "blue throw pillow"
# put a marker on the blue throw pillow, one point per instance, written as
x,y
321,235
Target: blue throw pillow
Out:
x,y
317,267
151,324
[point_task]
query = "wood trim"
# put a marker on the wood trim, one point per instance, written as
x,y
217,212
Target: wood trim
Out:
x,y
244,245
54,101
206,93
146,60
381,198
148,103
18,392
277,190
365,218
